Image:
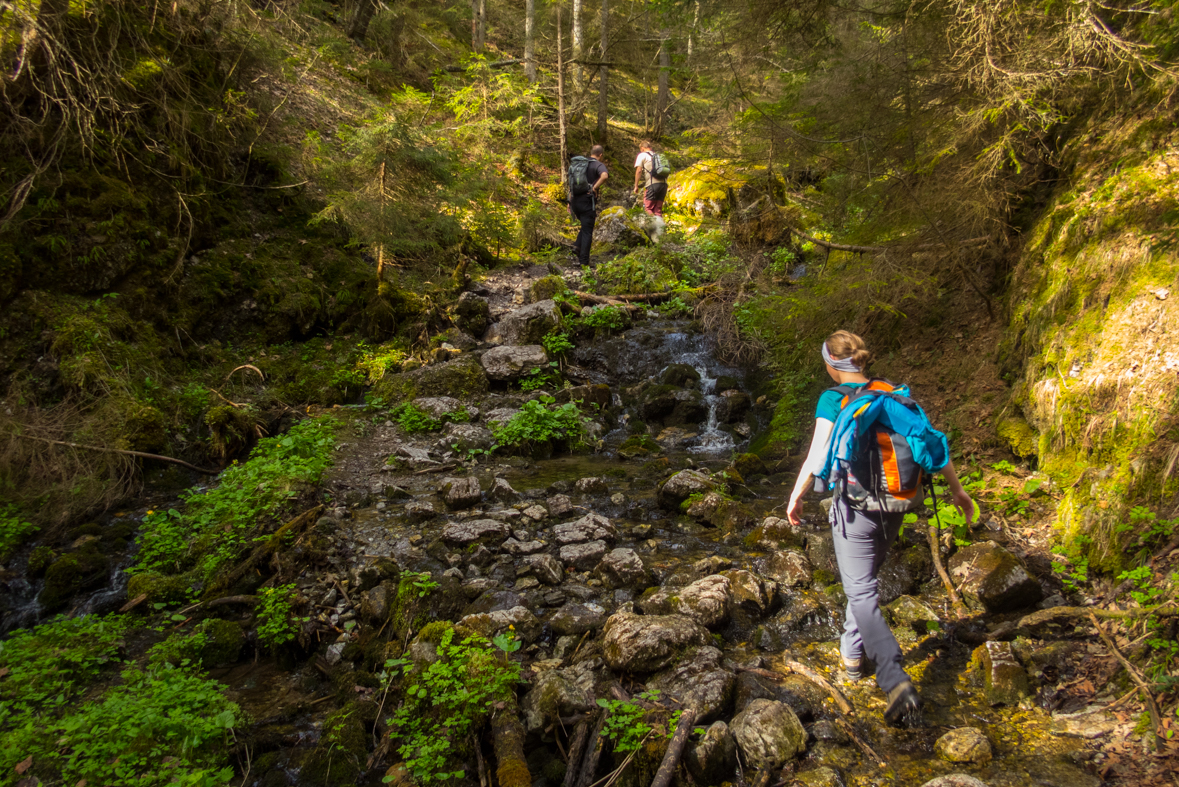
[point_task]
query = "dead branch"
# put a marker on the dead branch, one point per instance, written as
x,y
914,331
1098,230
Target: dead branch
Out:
x,y
814,677
492,64
266,549
576,748
123,452
1136,676
864,747
251,368
589,765
936,551
1057,613
881,249
674,749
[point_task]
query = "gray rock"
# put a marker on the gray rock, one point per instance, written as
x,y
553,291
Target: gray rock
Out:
x,y
462,492
912,612
818,777
465,437
473,588
528,324
594,485
334,653
773,533
546,568
682,485
768,734
500,415
647,643
473,314
374,605
488,624
438,406
559,505
713,758
420,511
535,513
1004,679
965,744
989,576
788,567
556,693
732,406
622,568
697,681
707,600
510,362
514,547
955,780
615,227
471,531
583,557
502,491
591,527
574,618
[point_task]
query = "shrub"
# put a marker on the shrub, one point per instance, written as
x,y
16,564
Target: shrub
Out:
x,y
610,318
14,529
536,423
277,622
414,419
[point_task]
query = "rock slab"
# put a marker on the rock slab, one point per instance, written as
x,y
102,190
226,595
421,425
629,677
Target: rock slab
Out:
x,y
769,734
647,643
966,744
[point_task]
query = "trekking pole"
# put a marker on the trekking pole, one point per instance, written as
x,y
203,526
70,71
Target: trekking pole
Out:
x,y
935,549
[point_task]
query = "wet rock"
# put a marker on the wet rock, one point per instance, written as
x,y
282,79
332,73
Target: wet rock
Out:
x,y
471,531
374,604
773,533
556,693
510,362
708,601
514,547
461,492
71,574
749,464
622,568
912,612
713,758
574,618
1004,680
472,313
966,744
681,375
820,550
1086,723
989,576
546,568
488,624
749,592
697,681
657,401
462,378
647,643
732,406
529,324
955,780
706,507
500,415
788,567
903,572
818,777
559,505
598,394
671,437
594,485
682,485
799,694
466,437
473,588
591,527
689,409
502,491
768,734
419,511
583,557
438,406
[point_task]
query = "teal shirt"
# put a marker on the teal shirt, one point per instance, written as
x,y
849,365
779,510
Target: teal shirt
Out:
x,y
828,406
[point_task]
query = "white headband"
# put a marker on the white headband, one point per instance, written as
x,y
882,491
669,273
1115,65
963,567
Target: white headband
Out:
x,y
839,364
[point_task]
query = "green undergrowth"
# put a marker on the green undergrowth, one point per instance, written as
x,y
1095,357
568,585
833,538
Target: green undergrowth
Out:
x,y
539,422
15,529
215,526
72,709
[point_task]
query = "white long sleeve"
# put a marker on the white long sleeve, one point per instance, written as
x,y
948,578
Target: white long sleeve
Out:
x,y
818,450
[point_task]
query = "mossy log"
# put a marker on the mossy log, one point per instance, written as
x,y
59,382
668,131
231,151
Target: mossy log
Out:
x,y
264,550
627,299
672,758
508,736
589,766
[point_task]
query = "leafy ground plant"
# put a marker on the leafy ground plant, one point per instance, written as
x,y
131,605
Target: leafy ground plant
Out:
x,y
216,524
14,530
413,419
536,423
277,622
448,700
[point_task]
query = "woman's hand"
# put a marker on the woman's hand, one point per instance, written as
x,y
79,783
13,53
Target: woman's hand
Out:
x,y
964,504
794,507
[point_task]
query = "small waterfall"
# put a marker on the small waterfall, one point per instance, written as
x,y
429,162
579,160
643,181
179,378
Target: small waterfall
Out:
x,y
693,349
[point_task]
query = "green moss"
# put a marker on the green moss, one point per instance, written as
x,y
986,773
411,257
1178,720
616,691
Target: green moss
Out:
x,y
40,559
546,288
637,446
1019,435
338,759
71,574
158,587
462,378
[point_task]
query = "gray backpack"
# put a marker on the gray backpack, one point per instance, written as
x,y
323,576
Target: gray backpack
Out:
x,y
578,176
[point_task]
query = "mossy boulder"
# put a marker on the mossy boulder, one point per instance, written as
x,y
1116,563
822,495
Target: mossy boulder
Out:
x,y
472,314
40,559
546,289
681,375
749,465
223,640
159,587
990,577
617,228
657,401
638,445
1020,436
710,186
71,574
339,758
462,378
1004,679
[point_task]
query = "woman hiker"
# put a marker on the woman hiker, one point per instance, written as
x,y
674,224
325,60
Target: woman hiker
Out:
x,y
863,538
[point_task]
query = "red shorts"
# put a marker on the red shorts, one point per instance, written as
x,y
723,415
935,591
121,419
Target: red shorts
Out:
x,y
653,206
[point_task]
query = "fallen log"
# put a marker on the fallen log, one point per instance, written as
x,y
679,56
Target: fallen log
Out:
x,y
576,749
674,749
626,299
507,733
123,452
265,549
880,249
1057,613
589,765
492,64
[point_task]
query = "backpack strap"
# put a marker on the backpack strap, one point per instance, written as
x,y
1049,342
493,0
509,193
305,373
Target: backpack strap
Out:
x,y
846,394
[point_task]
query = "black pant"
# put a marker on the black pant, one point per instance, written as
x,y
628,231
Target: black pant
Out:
x,y
584,210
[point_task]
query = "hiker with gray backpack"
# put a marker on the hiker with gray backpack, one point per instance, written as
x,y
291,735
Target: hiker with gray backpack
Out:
x,y
872,448
586,175
654,169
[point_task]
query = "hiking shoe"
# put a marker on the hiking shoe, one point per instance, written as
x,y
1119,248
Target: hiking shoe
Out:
x,y
853,668
902,700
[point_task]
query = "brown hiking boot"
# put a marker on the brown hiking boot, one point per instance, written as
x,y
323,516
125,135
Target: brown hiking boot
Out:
x,y
902,700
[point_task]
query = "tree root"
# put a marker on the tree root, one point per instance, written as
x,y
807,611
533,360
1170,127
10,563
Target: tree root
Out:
x,y
508,736
123,452
676,748
1056,613
265,549
589,765
1152,706
935,550
801,669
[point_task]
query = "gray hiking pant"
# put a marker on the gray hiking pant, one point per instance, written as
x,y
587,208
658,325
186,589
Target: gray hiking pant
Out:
x,y
862,540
